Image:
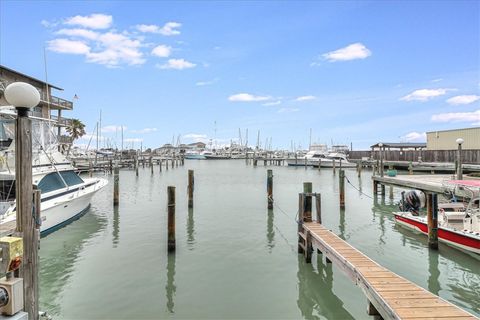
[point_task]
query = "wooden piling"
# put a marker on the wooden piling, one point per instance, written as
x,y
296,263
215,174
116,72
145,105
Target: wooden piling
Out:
x,y
318,207
341,177
307,211
359,169
333,161
305,163
270,188
391,192
255,162
319,164
171,218
375,188
166,164
116,185
432,220
160,165
190,188
136,166
301,207
151,165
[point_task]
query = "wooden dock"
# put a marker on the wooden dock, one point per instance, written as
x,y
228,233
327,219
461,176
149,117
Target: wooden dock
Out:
x,y
429,183
8,228
390,296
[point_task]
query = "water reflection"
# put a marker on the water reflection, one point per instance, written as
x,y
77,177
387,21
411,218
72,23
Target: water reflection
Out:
x,y
270,231
434,272
190,229
170,288
315,292
116,226
59,254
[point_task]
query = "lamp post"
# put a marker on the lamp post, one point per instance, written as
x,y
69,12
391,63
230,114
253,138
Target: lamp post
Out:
x,y
24,96
459,159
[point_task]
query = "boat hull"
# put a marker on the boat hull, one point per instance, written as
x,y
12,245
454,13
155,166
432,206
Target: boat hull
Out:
x,y
329,164
194,157
464,240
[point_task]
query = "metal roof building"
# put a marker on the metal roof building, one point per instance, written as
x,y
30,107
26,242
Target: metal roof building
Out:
x,y
446,139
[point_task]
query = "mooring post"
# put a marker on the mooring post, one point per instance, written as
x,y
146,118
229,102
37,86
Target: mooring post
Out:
x,y
171,218
270,188
318,207
308,247
255,162
305,163
111,166
160,165
166,164
459,159
190,188
116,184
151,165
333,161
301,201
359,169
136,166
432,220
341,177
340,164
375,187
90,169
307,211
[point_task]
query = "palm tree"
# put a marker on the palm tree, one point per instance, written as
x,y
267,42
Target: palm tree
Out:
x,y
76,129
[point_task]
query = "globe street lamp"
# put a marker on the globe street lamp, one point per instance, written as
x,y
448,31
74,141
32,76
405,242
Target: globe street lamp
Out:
x,y
459,141
23,97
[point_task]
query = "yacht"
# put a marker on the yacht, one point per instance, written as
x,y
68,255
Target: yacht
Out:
x,y
340,160
65,196
312,158
194,155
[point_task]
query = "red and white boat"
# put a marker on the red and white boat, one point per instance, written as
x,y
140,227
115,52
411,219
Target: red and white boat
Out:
x,y
458,224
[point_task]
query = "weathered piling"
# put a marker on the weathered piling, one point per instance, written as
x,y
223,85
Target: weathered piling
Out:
x,y
432,220
90,169
307,211
270,188
160,165
171,218
166,164
190,188
333,164
116,185
410,168
318,207
136,166
359,169
151,165
255,162
341,184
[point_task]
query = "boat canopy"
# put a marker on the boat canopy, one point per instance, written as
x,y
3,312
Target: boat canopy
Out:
x,y
467,183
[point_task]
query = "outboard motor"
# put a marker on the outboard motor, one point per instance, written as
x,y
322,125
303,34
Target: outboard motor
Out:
x,y
412,201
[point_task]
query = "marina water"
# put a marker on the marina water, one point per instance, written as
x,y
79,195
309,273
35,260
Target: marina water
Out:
x,y
235,259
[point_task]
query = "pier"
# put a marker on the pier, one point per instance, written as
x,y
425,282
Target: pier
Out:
x,y
426,183
389,295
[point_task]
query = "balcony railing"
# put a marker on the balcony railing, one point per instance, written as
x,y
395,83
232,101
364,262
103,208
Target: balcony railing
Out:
x,y
56,102
63,121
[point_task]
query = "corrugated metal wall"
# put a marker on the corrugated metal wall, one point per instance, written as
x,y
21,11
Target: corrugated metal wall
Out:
x,y
445,140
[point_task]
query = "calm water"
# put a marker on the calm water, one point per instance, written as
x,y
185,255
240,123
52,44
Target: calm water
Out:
x,y
235,259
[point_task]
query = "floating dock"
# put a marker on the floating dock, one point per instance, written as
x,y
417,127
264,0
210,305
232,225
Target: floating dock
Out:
x,y
389,295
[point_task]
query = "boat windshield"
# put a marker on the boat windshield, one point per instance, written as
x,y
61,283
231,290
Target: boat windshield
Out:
x,y
52,181
7,128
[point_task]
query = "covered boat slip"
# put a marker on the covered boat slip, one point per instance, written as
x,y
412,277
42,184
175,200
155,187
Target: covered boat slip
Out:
x,y
390,295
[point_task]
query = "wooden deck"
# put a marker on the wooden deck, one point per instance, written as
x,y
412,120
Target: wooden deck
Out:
x,y
392,296
8,228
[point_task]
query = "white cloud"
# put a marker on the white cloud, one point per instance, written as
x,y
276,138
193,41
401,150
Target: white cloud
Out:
x,y
424,94
68,46
82,33
133,140
415,137
116,49
162,51
457,117
177,64
197,137
350,52
273,103
288,110
437,80
169,29
93,21
246,97
145,130
112,128
465,99
206,83
305,98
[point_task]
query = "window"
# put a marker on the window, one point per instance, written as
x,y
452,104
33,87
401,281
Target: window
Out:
x,y
71,178
51,182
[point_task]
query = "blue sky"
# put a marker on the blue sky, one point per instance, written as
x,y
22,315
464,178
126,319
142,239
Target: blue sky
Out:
x,y
353,72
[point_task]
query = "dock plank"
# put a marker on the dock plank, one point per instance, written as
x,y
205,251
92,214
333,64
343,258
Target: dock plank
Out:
x,y
392,295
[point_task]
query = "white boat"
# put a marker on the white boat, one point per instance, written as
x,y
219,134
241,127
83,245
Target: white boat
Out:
x,y
458,224
65,195
311,158
340,160
194,155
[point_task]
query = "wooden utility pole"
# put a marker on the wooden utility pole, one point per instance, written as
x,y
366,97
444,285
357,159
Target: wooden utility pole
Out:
x,y
24,96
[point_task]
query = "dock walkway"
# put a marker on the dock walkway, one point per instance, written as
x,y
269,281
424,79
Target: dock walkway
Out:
x,y
390,295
